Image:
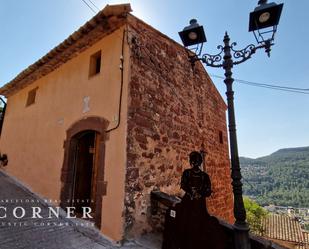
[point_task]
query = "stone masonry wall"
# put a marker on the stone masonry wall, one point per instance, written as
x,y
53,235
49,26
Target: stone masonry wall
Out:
x,y
172,110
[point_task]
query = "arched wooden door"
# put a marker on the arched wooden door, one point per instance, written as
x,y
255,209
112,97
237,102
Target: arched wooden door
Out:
x,y
82,175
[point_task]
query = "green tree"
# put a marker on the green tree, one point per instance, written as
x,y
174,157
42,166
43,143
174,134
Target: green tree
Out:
x,y
255,215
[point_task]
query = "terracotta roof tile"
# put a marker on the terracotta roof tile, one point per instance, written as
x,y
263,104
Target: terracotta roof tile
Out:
x,y
306,237
283,227
305,244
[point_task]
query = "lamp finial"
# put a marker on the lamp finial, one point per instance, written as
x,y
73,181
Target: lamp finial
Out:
x,y
262,2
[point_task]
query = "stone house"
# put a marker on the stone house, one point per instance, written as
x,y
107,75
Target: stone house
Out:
x,y
111,114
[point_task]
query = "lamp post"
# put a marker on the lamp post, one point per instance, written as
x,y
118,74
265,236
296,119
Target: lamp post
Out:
x,y
263,23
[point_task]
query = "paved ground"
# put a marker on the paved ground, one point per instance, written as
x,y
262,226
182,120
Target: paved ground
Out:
x,y
49,233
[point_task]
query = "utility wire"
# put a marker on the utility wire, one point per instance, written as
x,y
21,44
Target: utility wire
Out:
x,y
269,86
275,88
89,6
260,84
283,87
94,5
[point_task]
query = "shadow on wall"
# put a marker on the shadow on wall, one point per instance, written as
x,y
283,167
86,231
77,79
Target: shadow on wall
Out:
x,y
3,160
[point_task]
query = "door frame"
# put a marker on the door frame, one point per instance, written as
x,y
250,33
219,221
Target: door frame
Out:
x,y
75,165
98,125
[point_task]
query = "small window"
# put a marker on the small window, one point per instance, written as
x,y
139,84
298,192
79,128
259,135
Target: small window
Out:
x,y
31,97
221,137
95,64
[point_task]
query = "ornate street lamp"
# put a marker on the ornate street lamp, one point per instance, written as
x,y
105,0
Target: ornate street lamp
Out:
x,y
263,23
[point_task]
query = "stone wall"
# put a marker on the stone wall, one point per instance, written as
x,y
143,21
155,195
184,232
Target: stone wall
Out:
x,y
172,110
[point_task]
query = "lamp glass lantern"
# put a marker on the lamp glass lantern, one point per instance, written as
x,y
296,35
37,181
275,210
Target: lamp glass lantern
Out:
x,y
193,34
264,19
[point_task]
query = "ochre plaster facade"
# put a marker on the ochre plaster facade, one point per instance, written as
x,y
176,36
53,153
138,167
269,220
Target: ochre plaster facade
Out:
x,y
33,137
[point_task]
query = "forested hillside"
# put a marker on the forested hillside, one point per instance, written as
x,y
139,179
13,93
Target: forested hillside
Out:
x,y
281,178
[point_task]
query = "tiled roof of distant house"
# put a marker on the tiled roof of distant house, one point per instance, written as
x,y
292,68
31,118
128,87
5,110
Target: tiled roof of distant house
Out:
x,y
285,228
282,227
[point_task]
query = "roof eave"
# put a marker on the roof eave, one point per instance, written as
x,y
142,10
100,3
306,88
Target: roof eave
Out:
x,y
105,22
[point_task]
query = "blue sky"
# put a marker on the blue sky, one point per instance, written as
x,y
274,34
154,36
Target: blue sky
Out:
x,y
267,120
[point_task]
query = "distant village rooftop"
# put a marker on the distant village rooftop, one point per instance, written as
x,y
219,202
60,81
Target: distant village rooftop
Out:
x,y
287,230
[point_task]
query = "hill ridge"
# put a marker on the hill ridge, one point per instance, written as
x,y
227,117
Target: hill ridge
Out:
x,y
298,149
281,178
